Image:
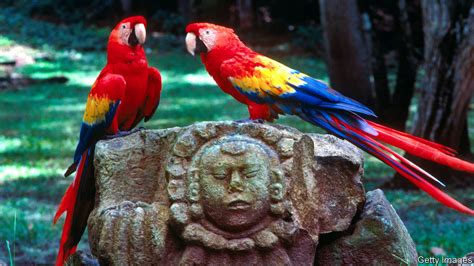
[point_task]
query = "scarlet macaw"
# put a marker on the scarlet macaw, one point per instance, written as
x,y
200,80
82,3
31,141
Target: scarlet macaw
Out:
x,y
126,91
270,88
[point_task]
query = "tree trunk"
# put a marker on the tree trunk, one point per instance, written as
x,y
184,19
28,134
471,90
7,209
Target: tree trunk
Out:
x,y
392,30
406,73
449,67
448,83
245,9
397,114
382,91
347,56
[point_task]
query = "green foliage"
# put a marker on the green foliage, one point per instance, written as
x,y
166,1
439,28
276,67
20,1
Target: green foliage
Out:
x,y
66,11
170,22
309,38
16,26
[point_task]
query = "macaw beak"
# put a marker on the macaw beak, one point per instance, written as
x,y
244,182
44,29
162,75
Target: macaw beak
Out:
x,y
191,43
195,45
138,35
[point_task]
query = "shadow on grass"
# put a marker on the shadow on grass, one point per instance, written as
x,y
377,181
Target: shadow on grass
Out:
x,y
34,188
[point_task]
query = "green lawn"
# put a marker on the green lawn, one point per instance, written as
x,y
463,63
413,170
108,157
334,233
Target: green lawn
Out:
x,y
40,123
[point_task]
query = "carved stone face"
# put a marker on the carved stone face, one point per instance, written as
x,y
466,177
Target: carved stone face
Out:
x,y
234,182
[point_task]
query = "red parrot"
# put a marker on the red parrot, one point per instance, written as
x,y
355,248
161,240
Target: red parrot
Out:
x,y
270,88
126,91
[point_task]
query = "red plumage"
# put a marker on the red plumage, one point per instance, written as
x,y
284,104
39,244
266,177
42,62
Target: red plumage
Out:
x,y
422,148
213,63
67,205
125,92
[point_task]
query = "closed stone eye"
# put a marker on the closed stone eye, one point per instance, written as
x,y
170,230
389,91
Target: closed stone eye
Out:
x,y
220,175
251,173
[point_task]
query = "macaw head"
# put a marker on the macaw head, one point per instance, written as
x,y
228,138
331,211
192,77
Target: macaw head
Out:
x,y
126,40
206,37
129,34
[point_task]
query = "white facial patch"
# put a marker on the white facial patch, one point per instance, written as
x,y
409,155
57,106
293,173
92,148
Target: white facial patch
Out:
x,y
208,37
125,31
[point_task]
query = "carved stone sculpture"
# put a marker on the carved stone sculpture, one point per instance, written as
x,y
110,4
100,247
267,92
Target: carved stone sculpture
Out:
x,y
234,209
222,193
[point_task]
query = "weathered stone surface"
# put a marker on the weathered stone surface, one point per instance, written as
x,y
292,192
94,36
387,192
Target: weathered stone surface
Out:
x,y
326,183
378,238
219,193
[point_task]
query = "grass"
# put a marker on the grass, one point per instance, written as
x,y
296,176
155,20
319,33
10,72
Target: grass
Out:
x,y
432,225
39,129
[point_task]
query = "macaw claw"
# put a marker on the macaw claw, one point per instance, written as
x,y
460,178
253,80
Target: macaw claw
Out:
x,y
249,120
124,133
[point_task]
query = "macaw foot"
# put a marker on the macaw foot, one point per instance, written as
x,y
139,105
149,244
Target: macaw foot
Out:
x,y
124,133
248,120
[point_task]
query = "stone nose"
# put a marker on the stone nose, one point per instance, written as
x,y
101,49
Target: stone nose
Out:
x,y
236,184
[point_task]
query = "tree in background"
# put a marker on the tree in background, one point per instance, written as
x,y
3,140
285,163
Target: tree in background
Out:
x,y
359,39
396,34
397,41
448,82
347,54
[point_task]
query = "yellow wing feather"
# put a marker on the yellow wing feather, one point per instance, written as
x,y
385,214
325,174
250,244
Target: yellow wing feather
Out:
x,y
269,78
96,109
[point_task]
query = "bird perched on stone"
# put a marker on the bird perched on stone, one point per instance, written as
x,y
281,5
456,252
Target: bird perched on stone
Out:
x,y
269,89
126,91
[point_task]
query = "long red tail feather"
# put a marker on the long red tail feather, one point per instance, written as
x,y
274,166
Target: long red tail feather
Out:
x,y
422,148
406,168
67,205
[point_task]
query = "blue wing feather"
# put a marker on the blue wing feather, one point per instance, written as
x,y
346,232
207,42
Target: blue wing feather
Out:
x,y
318,94
90,133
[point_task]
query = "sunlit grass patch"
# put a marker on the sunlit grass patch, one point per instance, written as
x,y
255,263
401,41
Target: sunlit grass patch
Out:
x,y
81,70
9,144
5,41
10,172
200,78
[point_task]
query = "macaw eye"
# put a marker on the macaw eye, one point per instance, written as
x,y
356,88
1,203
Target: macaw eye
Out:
x,y
207,32
124,26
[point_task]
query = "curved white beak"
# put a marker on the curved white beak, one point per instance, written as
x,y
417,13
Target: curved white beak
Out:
x,y
140,32
191,43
